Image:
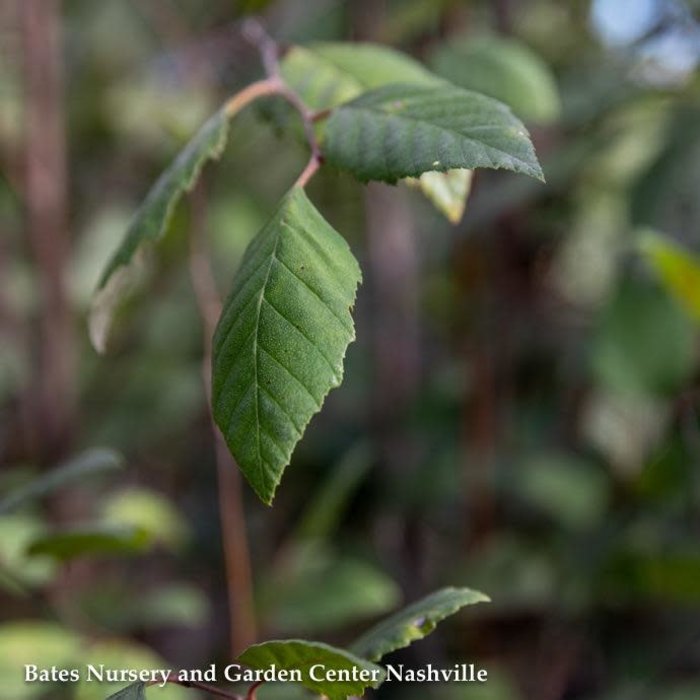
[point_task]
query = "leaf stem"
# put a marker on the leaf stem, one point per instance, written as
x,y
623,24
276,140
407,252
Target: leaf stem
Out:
x,y
269,55
261,88
311,167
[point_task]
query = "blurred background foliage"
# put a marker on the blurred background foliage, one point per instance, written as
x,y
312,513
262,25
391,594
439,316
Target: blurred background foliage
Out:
x,y
519,412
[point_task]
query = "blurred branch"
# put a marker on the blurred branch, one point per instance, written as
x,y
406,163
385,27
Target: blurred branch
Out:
x,y
269,55
46,215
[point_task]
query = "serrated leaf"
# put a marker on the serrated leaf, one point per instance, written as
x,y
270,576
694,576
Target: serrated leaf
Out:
x,y
151,221
403,131
97,540
504,69
135,691
414,622
91,462
281,339
298,654
326,74
678,269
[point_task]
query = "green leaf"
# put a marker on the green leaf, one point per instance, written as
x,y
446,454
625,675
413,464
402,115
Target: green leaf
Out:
x,y
327,74
33,642
352,590
644,343
677,269
135,691
97,540
414,622
504,69
281,338
88,463
354,674
148,511
403,131
150,222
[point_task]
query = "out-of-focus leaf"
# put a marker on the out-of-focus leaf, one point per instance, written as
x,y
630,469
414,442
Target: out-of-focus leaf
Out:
x,y
135,691
302,655
645,344
678,269
122,654
352,590
414,622
41,643
173,604
665,197
150,222
569,489
504,69
147,511
96,541
518,574
95,461
16,533
326,508
624,427
327,74
281,339
400,131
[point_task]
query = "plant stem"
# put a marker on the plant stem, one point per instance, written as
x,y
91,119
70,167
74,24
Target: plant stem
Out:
x,y
261,88
242,626
45,195
269,55
250,695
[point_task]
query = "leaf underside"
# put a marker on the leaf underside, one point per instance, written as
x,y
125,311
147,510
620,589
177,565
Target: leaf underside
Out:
x,y
281,339
414,622
151,221
400,131
298,654
447,191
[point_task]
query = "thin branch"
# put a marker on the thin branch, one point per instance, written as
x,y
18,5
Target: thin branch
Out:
x,y
261,88
311,167
256,34
269,55
242,626
45,193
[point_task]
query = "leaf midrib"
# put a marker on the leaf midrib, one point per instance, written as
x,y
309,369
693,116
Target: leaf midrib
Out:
x,y
273,255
